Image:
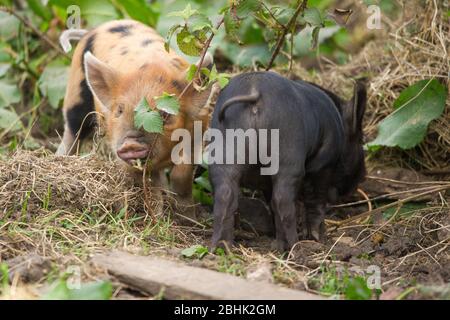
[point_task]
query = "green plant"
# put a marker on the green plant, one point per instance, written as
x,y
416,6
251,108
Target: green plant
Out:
x,y
4,278
101,290
202,189
332,281
230,263
414,109
196,251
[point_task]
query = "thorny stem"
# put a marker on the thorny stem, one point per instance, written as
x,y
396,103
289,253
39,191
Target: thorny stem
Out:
x,y
202,58
272,15
34,29
288,27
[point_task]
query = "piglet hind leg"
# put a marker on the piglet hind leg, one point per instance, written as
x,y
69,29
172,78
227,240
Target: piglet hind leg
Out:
x,y
315,203
67,146
285,208
225,182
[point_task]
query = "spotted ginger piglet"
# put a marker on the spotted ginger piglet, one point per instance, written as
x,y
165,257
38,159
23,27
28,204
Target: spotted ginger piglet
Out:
x,y
114,67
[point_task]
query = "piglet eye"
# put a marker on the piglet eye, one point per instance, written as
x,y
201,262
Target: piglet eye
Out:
x,y
119,111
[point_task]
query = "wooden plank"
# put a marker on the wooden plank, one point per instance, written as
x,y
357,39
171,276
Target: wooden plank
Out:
x,y
179,281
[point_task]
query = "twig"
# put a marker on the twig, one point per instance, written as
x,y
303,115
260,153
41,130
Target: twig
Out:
x,y
146,188
406,182
288,27
272,15
409,255
394,216
34,29
385,196
331,249
202,58
390,205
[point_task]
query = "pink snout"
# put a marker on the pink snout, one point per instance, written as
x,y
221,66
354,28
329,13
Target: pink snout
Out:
x,y
132,150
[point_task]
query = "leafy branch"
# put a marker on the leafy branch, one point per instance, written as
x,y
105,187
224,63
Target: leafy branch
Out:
x,y
300,8
202,58
29,25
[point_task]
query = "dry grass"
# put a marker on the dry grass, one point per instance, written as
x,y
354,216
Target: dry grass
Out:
x,y
44,181
414,48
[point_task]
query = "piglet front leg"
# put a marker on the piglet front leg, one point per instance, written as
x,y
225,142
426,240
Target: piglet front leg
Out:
x,y
181,184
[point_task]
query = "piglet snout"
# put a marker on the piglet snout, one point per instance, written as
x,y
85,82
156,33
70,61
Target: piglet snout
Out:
x,y
132,150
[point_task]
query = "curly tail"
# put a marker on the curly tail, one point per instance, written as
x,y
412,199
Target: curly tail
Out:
x,y
252,97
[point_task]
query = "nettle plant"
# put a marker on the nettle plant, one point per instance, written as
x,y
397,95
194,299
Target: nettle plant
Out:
x,y
196,32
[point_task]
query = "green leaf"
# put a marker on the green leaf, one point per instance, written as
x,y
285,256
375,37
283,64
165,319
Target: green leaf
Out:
x,y
313,17
250,32
170,34
142,11
39,9
142,106
98,12
407,210
168,103
152,122
95,12
223,80
185,14
357,289
4,276
246,56
283,15
53,81
4,67
9,120
9,94
202,190
141,113
416,107
199,22
191,72
9,26
246,7
196,251
231,25
189,44
101,290
90,291
203,182
200,196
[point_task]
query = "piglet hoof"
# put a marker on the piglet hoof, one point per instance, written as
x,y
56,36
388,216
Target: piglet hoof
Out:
x,y
318,233
279,245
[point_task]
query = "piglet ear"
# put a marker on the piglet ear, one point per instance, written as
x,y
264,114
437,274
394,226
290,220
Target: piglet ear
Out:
x,y
101,79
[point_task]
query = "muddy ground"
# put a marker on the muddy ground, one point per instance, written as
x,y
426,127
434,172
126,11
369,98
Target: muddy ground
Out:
x,y
47,227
